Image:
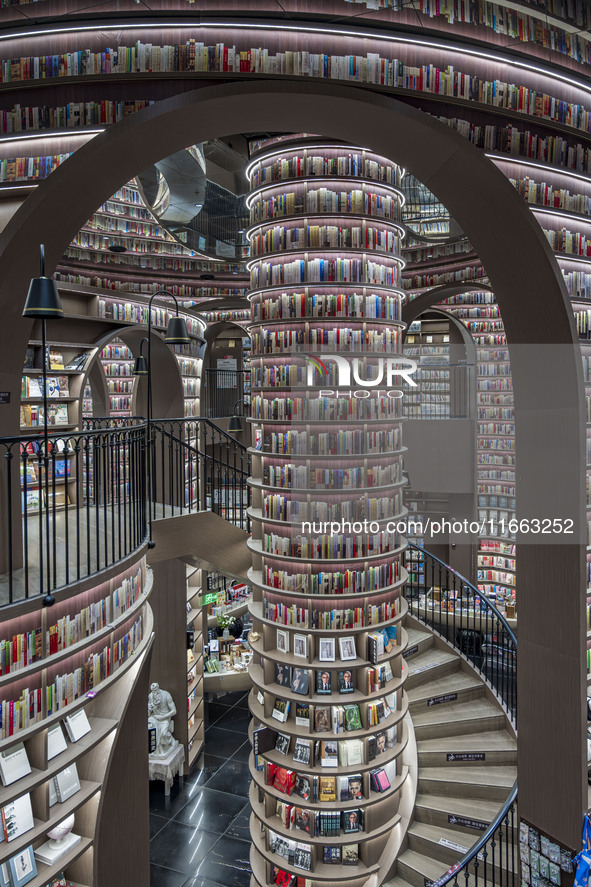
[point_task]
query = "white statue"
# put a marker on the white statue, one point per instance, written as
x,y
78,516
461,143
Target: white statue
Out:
x,y
161,711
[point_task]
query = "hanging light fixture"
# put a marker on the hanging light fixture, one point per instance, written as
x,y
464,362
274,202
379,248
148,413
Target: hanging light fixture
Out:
x,y
43,299
140,366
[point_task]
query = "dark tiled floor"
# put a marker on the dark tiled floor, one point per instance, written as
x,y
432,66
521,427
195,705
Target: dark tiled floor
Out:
x,y
199,836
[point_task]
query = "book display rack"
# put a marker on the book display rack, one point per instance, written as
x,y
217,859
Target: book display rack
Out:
x,y
195,641
495,446
66,674
117,362
327,610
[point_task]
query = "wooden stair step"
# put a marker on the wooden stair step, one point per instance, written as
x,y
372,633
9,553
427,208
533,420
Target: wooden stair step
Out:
x,y
414,867
430,665
497,747
418,641
457,814
491,783
460,686
478,715
449,847
396,882
438,843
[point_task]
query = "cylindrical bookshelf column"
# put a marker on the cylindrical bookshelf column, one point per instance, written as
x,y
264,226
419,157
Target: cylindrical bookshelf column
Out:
x,y
326,501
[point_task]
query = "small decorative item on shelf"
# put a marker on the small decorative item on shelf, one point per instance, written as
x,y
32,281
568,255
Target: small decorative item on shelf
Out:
x,y
60,881
60,841
227,622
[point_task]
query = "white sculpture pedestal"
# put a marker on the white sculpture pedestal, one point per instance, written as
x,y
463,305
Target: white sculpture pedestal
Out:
x,y
167,767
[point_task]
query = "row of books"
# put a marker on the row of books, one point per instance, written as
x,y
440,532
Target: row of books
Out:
x,y
513,22
338,718
327,789
32,415
497,561
568,243
356,477
342,270
326,408
421,281
491,500
502,384
334,581
22,118
496,576
56,386
288,340
128,644
332,443
97,242
578,284
324,236
120,386
306,162
120,310
331,545
18,169
317,305
489,411
489,459
188,366
496,443
358,201
321,823
543,194
364,508
329,620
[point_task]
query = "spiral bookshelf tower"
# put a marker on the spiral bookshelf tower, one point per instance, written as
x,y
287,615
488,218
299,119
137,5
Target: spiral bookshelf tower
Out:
x,y
325,281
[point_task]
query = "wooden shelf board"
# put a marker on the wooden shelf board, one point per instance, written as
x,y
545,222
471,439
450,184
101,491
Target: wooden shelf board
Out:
x,y
295,730
194,706
56,814
257,606
82,644
100,728
46,872
195,751
22,735
321,871
359,837
300,662
195,728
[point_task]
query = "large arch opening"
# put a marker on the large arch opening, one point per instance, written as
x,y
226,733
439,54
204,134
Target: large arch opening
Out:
x,y
534,303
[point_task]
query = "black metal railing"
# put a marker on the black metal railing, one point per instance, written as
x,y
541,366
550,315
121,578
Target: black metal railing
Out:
x,y
494,860
197,466
70,510
446,601
466,618
100,423
222,389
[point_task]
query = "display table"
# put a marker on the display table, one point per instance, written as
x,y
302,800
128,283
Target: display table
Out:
x,y
227,681
167,768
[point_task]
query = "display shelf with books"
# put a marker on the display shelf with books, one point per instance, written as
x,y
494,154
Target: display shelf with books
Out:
x,y
55,757
66,363
195,642
327,607
117,362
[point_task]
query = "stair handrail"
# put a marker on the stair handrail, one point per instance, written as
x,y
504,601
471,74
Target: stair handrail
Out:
x,y
193,449
493,838
222,481
479,852
476,623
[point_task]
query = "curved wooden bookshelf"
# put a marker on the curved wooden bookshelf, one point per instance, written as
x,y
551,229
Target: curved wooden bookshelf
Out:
x,y
122,593
369,714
